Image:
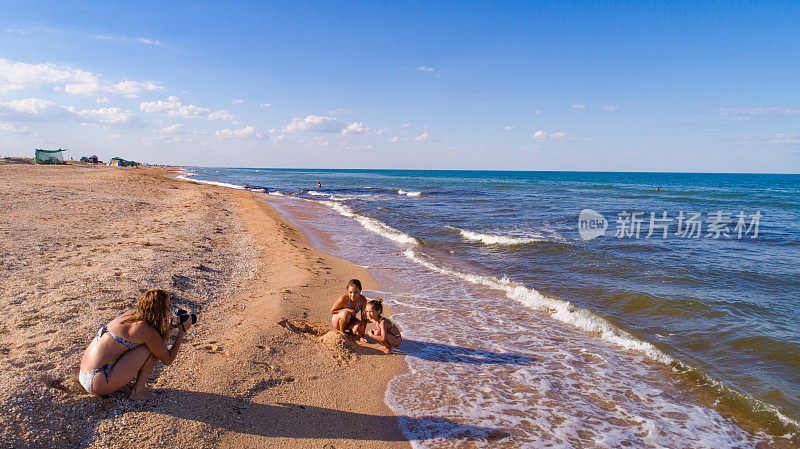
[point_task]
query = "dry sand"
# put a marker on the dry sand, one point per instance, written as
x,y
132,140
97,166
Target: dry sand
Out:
x,y
78,245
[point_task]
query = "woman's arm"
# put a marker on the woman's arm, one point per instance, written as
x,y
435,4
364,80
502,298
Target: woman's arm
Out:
x,y
380,331
339,305
157,346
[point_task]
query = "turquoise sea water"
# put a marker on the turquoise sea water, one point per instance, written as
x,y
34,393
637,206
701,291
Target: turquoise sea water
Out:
x,y
711,294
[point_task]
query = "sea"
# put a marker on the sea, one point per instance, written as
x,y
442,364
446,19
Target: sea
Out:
x,y
571,309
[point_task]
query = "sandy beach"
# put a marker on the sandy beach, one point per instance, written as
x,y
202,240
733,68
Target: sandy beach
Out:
x,y
79,244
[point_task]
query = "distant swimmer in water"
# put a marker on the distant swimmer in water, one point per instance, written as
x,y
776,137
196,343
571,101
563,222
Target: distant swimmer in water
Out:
x,y
319,185
344,313
387,333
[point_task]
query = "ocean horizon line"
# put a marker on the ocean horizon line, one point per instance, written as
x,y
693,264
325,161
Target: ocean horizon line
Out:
x,y
484,170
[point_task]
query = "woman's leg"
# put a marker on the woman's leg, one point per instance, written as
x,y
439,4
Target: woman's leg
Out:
x,y
141,378
122,372
341,320
359,327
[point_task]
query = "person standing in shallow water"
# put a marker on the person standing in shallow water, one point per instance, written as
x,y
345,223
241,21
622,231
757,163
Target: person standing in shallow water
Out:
x,y
345,310
129,345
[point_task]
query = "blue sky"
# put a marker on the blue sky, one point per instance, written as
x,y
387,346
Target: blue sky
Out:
x,y
638,86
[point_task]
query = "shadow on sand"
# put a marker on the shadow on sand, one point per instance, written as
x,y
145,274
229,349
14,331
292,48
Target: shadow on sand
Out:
x,y
286,420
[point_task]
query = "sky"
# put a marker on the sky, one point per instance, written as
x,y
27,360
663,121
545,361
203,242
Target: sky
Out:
x,y
589,86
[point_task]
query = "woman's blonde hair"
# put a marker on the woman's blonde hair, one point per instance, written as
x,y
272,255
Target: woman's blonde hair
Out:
x,y
154,309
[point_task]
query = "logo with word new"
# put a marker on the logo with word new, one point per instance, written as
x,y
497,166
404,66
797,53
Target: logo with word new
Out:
x,y
591,224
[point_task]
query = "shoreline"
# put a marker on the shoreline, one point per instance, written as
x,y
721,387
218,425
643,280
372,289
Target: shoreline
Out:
x,y
260,369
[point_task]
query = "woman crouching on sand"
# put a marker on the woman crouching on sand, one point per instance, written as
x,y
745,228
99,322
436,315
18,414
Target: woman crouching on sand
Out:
x,y
345,310
387,333
129,345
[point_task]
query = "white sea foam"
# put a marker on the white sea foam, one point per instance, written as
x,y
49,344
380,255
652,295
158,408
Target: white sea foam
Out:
x,y
372,224
315,193
492,239
559,309
276,193
213,183
403,192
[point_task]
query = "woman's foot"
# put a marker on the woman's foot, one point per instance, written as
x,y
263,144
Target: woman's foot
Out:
x,y
143,395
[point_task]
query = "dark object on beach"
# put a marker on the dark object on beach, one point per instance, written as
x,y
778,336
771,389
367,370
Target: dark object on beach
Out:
x,y
181,316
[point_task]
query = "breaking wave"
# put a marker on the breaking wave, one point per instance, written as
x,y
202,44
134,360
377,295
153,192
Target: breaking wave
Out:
x,y
372,224
492,239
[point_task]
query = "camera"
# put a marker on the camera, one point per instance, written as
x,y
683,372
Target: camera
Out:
x,y
181,316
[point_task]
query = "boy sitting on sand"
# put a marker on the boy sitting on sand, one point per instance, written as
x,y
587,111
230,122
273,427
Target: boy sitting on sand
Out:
x,y
387,333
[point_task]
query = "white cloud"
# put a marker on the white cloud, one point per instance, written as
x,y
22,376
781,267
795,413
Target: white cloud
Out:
x,y
16,31
425,137
542,135
12,128
221,115
406,125
101,100
265,105
36,109
315,123
247,132
756,112
611,108
237,101
128,40
773,139
355,128
124,88
32,109
173,107
20,75
423,68
321,141
578,106
114,117
32,106
538,112
282,139
510,128
149,41
394,139
173,130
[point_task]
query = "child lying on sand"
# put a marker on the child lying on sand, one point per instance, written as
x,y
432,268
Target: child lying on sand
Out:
x,y
387,333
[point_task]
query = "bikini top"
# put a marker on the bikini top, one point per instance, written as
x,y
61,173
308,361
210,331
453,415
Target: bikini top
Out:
x,y
392,323
116,337
348,305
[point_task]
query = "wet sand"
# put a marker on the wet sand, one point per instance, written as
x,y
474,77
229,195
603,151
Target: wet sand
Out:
x,y
78,245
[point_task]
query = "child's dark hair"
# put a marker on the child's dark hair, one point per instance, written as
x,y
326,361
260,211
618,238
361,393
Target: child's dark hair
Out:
x,y
376,304
355,283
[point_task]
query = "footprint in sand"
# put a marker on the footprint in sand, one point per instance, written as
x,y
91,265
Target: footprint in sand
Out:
x,y
209,346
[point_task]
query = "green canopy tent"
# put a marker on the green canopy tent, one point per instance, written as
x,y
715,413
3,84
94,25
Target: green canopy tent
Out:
x,y
49,156
119,162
